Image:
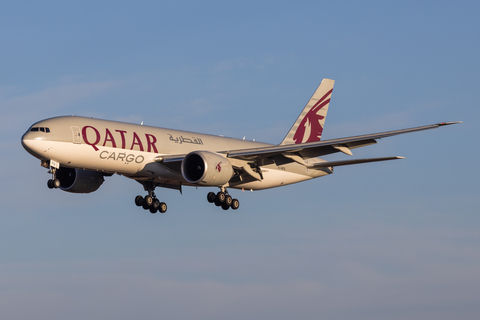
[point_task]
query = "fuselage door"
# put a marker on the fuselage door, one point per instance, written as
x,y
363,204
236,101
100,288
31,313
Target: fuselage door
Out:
x,y
77,138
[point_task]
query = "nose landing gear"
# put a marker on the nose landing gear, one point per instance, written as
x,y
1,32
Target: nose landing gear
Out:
x,y
53,183
223,199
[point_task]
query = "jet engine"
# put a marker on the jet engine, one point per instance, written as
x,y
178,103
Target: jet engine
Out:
x,y
206,168
79,181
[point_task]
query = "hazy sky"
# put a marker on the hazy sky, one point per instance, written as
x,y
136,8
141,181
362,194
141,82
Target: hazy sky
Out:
x,y
393,240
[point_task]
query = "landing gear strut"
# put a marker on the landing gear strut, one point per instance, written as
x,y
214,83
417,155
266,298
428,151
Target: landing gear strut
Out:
x,y
223,199
150,201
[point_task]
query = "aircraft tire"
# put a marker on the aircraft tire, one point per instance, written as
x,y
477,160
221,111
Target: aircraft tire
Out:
x,y
153,210
156,203
211,197
162,207
225,206
50,184
56,183
149,200
228,200
139,201
145,205
235,204
221,197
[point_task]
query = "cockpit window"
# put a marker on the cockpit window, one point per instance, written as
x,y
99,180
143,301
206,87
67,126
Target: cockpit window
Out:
x,y
42,129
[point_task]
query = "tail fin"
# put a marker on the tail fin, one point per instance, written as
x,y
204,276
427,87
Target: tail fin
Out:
x,y
309,125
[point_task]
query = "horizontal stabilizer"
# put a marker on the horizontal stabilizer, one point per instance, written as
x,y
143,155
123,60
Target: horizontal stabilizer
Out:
x,y
349,162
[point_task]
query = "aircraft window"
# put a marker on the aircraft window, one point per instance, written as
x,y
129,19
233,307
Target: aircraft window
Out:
x,y
42,129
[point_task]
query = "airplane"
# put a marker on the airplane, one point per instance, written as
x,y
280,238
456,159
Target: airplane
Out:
x,y
80,152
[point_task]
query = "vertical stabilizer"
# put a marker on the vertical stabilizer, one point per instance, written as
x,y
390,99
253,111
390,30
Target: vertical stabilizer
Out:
x,y
309,125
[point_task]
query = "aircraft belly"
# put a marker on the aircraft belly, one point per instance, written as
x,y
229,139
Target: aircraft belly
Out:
x,y
273,178
84,157
160,173
142,165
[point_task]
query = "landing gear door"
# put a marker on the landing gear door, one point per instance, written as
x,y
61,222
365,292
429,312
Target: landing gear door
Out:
x,y
77,138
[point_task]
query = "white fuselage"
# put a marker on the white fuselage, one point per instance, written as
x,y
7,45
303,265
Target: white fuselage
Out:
x,y
133,151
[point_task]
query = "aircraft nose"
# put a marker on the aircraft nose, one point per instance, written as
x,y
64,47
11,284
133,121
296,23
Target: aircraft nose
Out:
x,y
28,143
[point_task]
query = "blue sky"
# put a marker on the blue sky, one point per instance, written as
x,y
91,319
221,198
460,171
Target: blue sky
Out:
x,y
393,240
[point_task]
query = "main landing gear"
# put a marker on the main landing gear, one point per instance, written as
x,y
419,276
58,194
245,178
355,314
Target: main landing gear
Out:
x,y
150,201
223,199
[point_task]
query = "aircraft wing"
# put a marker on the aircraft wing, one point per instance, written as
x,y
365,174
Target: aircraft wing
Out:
x,y
313,149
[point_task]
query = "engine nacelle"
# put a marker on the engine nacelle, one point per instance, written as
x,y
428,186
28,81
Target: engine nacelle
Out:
x,y
206,168
79,181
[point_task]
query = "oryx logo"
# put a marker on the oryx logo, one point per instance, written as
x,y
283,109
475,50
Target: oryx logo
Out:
x,y
218,166
310,129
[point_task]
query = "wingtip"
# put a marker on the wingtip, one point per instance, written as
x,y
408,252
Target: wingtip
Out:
x,y
449,123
